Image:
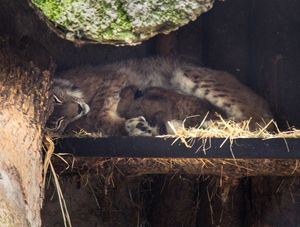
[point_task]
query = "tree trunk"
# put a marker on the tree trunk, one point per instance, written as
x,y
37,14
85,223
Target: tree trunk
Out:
x,y
24,108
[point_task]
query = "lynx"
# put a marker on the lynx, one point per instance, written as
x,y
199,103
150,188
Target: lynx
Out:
x,y
100,87
160,105
69,105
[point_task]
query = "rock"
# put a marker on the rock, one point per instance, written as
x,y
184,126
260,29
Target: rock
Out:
x,y
118,22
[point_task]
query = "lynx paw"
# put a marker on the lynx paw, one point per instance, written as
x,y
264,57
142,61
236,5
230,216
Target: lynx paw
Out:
x,y
138,126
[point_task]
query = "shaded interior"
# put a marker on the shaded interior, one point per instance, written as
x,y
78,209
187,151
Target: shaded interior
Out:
x,y
256,40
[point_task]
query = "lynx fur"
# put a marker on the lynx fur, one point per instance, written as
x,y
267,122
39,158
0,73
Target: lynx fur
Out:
x,y
159,106
100,87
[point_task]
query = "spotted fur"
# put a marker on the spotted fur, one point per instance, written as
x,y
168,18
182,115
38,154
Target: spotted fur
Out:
x,y
139,126
160,105
101,86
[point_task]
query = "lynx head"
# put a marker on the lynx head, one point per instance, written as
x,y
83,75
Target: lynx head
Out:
x,y
150,103
69,105
127,99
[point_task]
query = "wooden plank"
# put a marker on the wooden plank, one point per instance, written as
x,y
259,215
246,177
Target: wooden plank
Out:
x,y
151,147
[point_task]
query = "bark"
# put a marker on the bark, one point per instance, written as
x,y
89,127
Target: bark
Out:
x,y
24,108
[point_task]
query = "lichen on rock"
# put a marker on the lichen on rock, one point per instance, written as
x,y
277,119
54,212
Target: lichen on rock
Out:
x,y
120,21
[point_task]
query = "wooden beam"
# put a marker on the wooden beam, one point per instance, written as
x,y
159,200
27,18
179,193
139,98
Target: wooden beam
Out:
x,y
151,147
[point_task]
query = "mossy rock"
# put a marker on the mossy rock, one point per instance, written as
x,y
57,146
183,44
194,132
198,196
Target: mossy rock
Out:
x,y
126,22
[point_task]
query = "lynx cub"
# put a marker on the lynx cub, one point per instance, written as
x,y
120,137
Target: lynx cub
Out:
x,y
160,105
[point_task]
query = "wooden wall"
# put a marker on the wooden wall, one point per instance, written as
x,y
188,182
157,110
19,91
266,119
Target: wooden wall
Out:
x,y
259,41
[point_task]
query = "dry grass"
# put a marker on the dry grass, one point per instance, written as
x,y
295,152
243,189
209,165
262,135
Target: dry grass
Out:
x,y
229,130
220,128
49,150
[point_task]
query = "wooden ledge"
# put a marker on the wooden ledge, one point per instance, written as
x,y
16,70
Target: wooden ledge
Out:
x,y
151,147
146,155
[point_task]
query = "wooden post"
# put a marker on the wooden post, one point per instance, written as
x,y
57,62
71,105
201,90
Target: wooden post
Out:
x,y
24,107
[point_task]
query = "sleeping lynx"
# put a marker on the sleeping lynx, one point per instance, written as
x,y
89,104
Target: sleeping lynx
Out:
x,y
101,85
69,105
160,105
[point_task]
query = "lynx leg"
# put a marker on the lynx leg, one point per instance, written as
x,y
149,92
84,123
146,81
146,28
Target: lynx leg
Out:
x,y
138,126
111,126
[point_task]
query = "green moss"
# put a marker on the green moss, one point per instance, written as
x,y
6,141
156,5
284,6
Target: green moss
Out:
x,y
121,21
50,8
